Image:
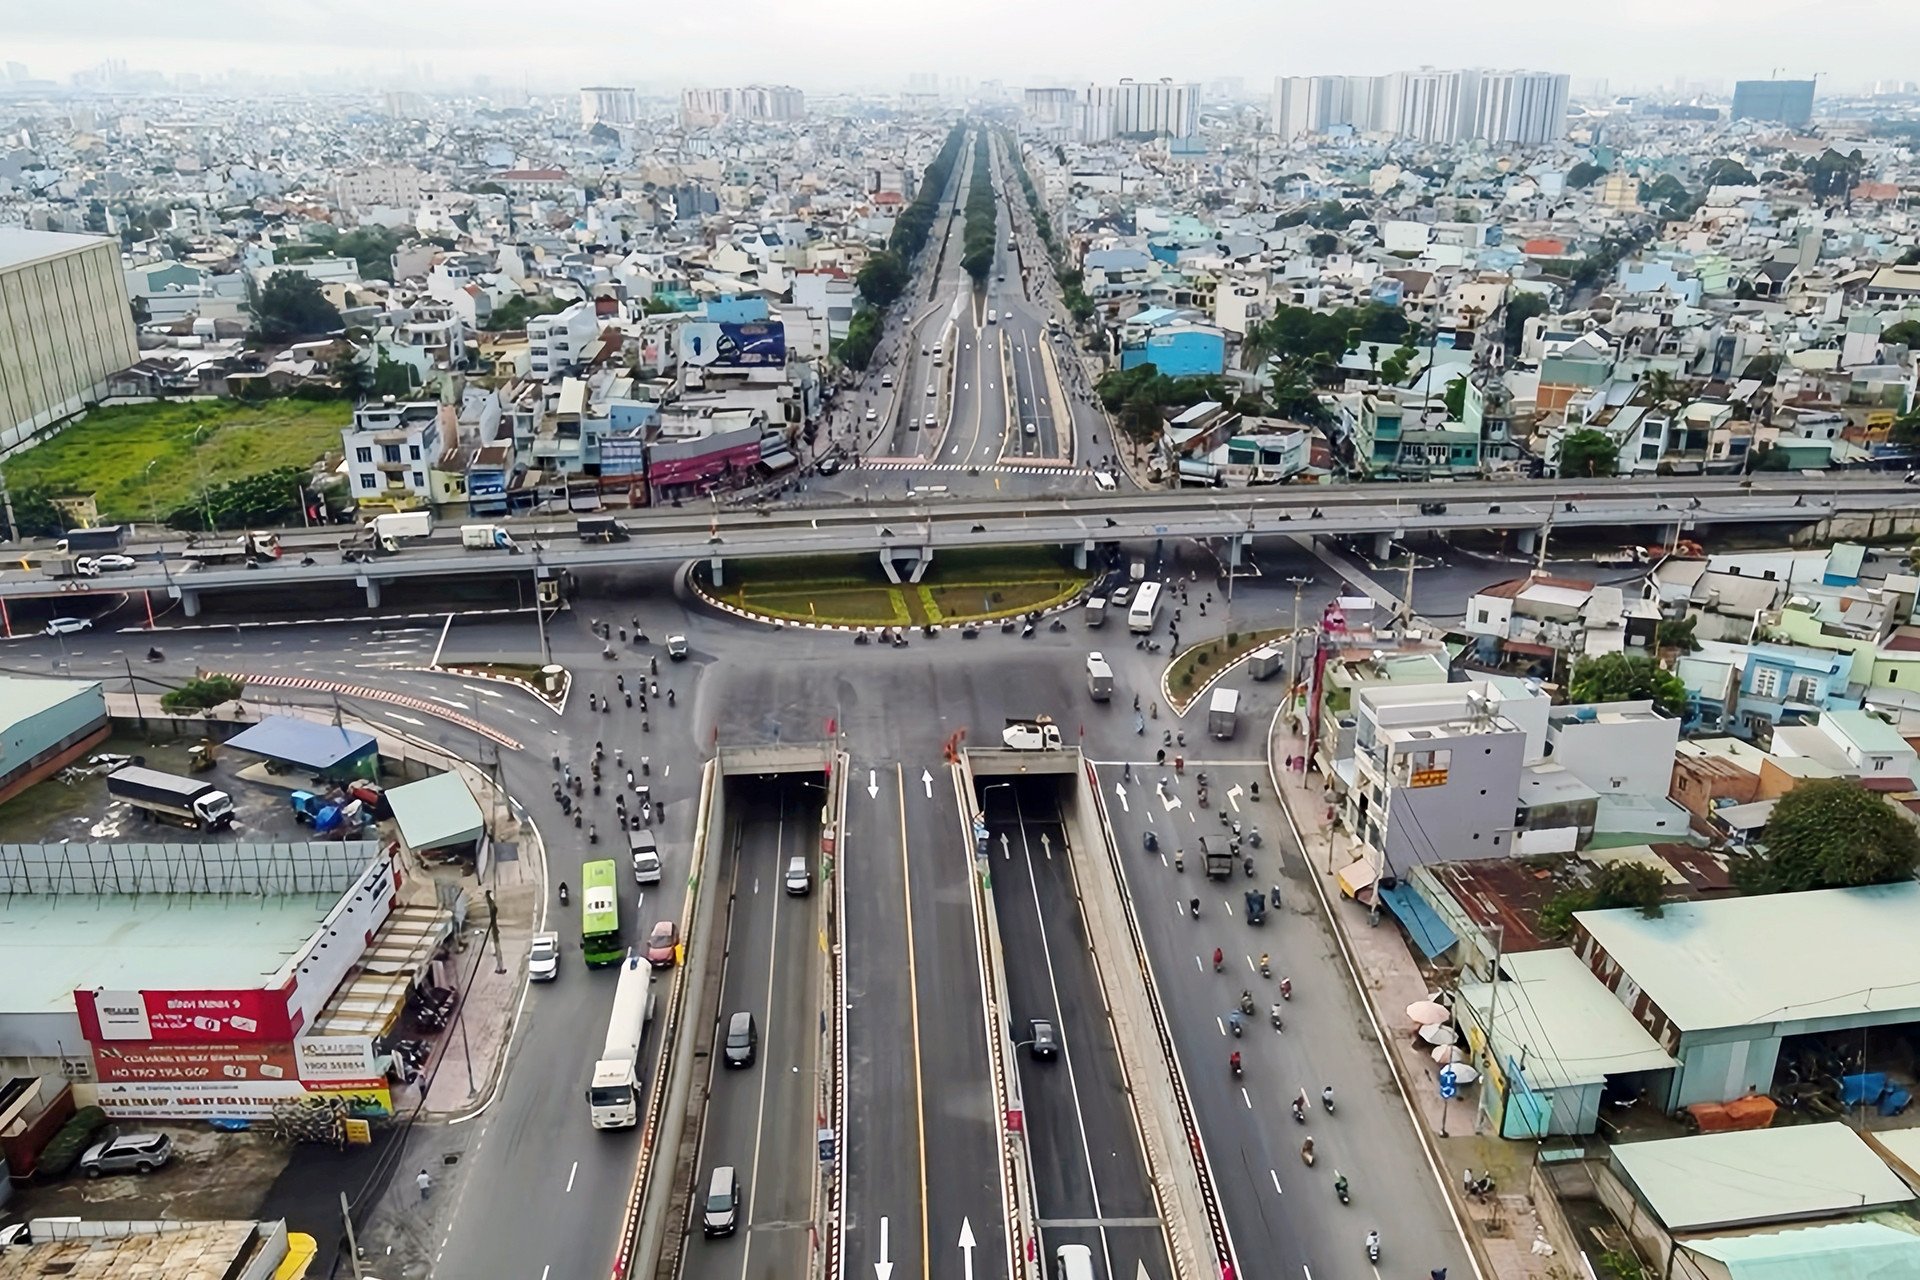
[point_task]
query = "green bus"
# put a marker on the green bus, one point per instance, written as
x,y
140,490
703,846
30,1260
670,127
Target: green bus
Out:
x,y
600,914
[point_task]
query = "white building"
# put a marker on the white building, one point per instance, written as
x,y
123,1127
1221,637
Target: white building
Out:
x,y
66,326
1155,107
391,448
611,106
397,186
559,342
1527,107
1436,106
705,108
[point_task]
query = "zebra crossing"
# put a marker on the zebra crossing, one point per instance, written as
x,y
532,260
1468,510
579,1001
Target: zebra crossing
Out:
x,y
315,685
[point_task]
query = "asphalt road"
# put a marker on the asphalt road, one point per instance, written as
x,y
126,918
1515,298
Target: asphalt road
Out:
x,y
761,1118
1090,1179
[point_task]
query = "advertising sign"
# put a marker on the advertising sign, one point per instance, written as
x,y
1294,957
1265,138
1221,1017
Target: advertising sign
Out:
x,y
184,1063
336,1060
185,1017
733,346
245,1100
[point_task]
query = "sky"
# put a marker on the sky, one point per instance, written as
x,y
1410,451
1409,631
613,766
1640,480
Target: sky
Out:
x,y
827,45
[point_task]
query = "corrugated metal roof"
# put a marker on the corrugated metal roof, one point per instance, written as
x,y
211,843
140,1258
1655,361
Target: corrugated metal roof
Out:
x,y
1753,1176
1836,1251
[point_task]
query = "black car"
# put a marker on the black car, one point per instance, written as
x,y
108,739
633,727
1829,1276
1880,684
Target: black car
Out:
x,y
828,466
1044,1042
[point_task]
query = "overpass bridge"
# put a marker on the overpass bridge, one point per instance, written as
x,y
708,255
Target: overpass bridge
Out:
x,y
905,536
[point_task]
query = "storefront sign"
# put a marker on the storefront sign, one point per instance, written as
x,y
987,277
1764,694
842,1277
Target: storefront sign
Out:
x,y
186,1017
336,1059
182,1063
245,1100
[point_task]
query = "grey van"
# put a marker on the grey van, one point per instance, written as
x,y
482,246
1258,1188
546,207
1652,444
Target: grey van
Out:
x,y
720,1215
743,1040
799,875
646,857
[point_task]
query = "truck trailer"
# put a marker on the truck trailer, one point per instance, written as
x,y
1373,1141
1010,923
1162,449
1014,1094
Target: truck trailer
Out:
x,y
614,1095
168,797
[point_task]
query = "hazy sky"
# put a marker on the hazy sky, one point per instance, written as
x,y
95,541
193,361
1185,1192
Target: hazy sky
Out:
x,y
876,44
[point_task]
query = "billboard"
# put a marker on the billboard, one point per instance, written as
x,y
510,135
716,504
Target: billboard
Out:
x,y
155,1063
186,1017
336,1060
733,346
243,1100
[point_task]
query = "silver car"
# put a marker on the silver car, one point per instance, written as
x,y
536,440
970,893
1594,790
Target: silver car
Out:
x,y
127,1153
543,957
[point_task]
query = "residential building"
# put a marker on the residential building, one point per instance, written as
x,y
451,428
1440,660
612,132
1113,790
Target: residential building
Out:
x,y
1775,101
533,182
394,186
1524,107
1437,106
705,108
1884,760
1050,109
1784,684
1134,108
66,326
1176,346
557,344
390,448
600,104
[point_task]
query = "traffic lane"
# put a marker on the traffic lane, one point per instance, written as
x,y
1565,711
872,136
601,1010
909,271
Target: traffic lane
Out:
x,y
963,1185
1273,1200
1090,1178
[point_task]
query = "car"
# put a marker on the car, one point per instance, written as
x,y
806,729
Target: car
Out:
x,y
799,876
677,648
743,1040
68,626
923,350
1032,430
873,415
720,1211
113,563
929,422
662,943
127,1153
543,958
930,390
828,466
1119,595
646,857
1043,1042
886,379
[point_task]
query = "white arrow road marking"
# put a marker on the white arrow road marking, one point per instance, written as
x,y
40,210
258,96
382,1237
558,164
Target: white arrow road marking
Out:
x,y
966,1244
1233,796
883,1269
1121,792
926,778
873,784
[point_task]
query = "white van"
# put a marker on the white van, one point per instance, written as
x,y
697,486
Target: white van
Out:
x,y
993,317
1073,1262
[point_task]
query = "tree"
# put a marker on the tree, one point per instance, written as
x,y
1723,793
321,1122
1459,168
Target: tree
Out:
x,y
1585,174
1727,172
1621,677
1769,458
1615,885
1905,334
1911,258
34,514
863,335
371,248
1394,369
1520,308
1676,633
1292,393
882,279
289,306
392,378
517,310
1322,244
1830,833
202,693
1455,397
1765,366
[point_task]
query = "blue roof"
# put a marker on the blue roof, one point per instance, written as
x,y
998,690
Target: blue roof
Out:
x,y
303,742
1424,925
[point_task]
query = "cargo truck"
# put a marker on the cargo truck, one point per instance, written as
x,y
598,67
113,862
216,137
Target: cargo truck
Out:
x,y
600,529
248,546
614,1096
1217,856
1096,611
168,797
385,532
1264,663
1037,734
106,537
1223,713
486,537
1099,677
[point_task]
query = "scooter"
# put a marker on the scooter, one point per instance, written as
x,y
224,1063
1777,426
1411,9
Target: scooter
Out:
x,y
1274,1015
1233,1021
1340,1189
1373,1241
1286,988
563,893
1299,1112
1253,838
154,655
1234,1061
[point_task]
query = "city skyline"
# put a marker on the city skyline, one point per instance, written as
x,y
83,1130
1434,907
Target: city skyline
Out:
x,y
869,45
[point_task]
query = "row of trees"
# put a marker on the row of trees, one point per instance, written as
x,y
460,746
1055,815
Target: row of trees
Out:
x,y
884,276
915,223
983,223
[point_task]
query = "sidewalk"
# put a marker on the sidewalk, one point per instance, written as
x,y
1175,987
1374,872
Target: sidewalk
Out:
x,y
1503,1231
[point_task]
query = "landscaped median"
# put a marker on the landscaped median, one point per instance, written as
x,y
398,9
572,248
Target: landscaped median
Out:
x,y
852,591
1192,668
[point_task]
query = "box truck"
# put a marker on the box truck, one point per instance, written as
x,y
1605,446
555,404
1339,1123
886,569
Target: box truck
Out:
x,y
1265,662
1223,712
169,797
486,537
106,537
1099,677
1037,734
1096,611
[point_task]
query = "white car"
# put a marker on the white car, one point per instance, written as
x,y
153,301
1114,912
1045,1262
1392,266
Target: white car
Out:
x,y
113,563
1031,430
930,388
873,415
543,959
68,626
677,648
929,422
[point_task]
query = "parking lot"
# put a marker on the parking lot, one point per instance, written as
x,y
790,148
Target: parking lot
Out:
x,y
212,1175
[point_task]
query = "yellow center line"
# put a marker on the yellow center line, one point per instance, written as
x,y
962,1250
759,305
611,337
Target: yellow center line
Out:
x,y
913,995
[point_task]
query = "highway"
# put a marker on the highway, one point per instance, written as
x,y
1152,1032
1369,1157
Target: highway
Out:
x,y
1090,1178
761,1118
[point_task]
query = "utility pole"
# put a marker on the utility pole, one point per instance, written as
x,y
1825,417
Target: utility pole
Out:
x,y
6,499
1406,599
1546,533
1493,997
353,1245
134,689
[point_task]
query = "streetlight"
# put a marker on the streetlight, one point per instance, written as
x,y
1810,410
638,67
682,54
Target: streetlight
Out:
x,y
153,508
200,467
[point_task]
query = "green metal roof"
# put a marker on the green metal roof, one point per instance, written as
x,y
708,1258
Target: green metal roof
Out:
x,y
1838,1251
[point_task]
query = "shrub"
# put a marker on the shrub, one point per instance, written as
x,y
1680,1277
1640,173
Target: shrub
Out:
x,y
67,1146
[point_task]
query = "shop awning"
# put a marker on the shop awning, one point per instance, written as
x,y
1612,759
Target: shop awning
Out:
x,y
1355,877
1428,931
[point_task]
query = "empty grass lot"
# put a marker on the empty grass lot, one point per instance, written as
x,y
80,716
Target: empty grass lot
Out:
x,y
106,454
960,586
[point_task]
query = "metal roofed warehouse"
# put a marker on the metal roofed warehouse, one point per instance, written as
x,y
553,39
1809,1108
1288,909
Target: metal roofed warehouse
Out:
x,y
1712,1181
327,750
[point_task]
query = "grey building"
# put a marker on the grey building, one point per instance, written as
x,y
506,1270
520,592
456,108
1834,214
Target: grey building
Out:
x,y
66,326
44,726
1785,101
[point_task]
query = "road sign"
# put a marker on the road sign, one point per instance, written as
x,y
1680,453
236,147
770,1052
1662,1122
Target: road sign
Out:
x,y
1448,1085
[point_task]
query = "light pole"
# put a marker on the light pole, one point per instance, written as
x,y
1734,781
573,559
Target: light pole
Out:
x,y
200,468
153,508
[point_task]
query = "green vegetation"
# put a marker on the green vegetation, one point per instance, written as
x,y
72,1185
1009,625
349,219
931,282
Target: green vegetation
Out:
x,y
1906,333
1727,172
1621,677
1615,884
1455,397
1040,220
1139,397
961,585
1193,667
1830,833
1322,337
863,335
290,306
371,248
1585,174
66,1147
1073,293
882,279
1588,455
516,311
1322,244
1676,633
1520,308
983,227
187,443
201,693
914,226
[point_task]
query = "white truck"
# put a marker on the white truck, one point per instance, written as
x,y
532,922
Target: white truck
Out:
x,y
614,1095
1037,734
168,797
1099,677
1223,713
386,531
486,537
1096,610
1265,662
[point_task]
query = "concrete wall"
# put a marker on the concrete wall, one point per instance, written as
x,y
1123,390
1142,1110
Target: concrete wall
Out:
x,y
66,326
1471,815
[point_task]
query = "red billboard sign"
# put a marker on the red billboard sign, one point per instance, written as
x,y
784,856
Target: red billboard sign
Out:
x,y
193,1063
187,1017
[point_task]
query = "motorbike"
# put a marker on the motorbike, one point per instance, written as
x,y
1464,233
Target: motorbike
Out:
x,y
1306,1152
1373,1240
1340,1189
1286,988
1299,1112
154,655
1246,1003
563,893
1233,1021
1249,866
1266,967
1151,841
1326,1099
1234,1061
1253,837
1274,1014
1194,908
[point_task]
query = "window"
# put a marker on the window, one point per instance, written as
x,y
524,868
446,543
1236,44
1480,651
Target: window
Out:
x,y
413,452
419,481
1766,682
369,481
390,452
363,454
1805,689
1483,617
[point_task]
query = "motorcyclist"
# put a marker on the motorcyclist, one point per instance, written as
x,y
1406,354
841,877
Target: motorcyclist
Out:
x,y
1194,907
563,891
1266,965
1218,957
1286,988
1340,1185
1274,1013
1234,1061
1373,1242
1246,1002
1326,1097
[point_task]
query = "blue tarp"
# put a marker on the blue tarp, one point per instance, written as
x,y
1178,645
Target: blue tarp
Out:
x,y
1428,931
306,744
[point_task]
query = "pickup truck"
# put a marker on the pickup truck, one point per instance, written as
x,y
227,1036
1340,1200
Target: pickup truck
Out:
x,y
1037,734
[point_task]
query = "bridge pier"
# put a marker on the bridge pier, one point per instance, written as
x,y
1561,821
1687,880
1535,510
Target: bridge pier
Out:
x,y
1382,546
891,557
1525,540
373,593
1236,549
189,601
1082,551
714,566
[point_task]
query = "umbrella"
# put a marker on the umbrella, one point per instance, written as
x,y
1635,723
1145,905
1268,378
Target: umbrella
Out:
x,y
1439,1035
1428,1013
1446,1053
1465,1073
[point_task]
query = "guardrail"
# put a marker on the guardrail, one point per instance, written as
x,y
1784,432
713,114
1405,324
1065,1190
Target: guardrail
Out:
x,y
830,1221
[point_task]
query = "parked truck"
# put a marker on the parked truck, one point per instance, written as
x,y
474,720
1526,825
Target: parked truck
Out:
x,y
106,537
1099,677
487,537
1217,857
1223,713
614,1096
1037,734
168,797
1096,611
1264,663
331,812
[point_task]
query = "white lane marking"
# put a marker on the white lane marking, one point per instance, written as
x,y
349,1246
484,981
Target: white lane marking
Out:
x,y
1276,1183
572,1174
